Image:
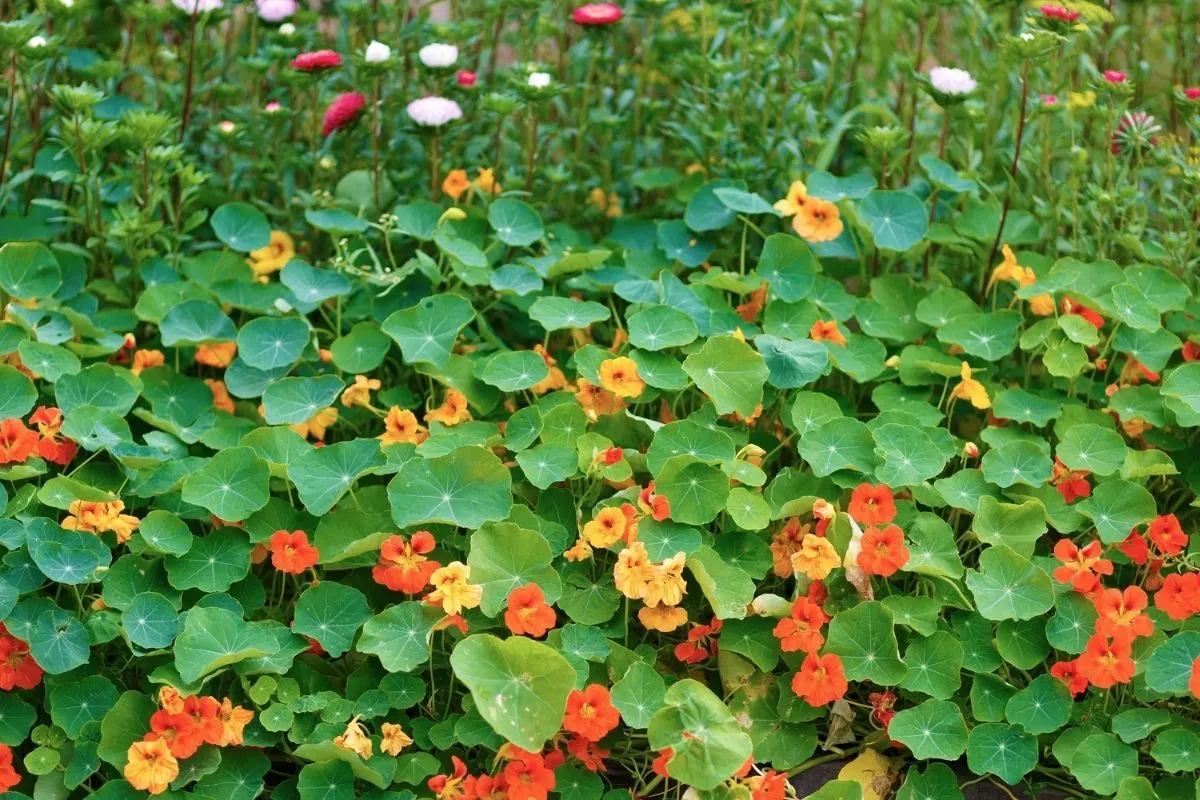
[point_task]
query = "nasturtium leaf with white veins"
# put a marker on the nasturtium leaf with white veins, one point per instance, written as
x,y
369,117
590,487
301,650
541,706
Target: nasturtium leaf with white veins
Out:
x,y
1007,586
520,686
730,373
933,729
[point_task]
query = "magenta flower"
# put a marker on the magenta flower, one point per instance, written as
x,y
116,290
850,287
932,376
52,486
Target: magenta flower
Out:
x,y
344,109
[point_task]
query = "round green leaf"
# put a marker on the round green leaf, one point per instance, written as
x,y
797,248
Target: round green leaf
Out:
x,y
1007,586
1043,706
730,372
565,313
705,760
514,370
864,637
241,226
933,729
467,488
29,270
519,686
331,613
151,621
659,327
504,557
898,220
696,491
1001,750
1092,448
1101,762
213,563
232,485
426,332
516,223
272,342
400,635
934,666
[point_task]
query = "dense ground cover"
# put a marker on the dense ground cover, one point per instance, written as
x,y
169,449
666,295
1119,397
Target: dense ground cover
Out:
x,y
504,400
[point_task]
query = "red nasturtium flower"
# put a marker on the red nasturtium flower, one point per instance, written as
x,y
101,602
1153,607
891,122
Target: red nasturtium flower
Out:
x,y
317,61
801,629
1135,548
1121,616
700,643
597,14
655,505
1082,566
1106,663
872,505
822,331
181,735
883,551
1179,597
1068,673
659,765
291,552
1071,484
449,786
53,446
9,777
820,679
590,713
17,443
528,778
771,785
528,613
1194,680
344,109
403,566
1167,535
18,670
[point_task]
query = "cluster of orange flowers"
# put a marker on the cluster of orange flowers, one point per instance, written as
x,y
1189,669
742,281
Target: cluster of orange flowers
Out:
x,y
457,183
177,730
101,517
400,425
590,716
1107,659
19,443
814,219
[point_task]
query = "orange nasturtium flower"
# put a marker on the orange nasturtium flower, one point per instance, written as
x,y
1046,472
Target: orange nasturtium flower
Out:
x,y
822,331
221,399
234,720
1121,616
662,618
528,614
272,258
17,442
816,557
403,566
970,389
820,679
53,446
456,183
1081,566
18,669
1194,680
145,359
596,401
316,425
449,787
666,585
620,376
818,221
355,739
786,543
150,767
633,571
452,411
219,354
883,551
394,739
452,590
797,196
1106,663
801,629
400,426
101,517
359,392
606,529
872,505
485,182
590,713
1167,534
9,777
291,552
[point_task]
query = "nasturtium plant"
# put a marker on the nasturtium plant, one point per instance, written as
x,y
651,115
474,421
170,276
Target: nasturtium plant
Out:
x,y
597,401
